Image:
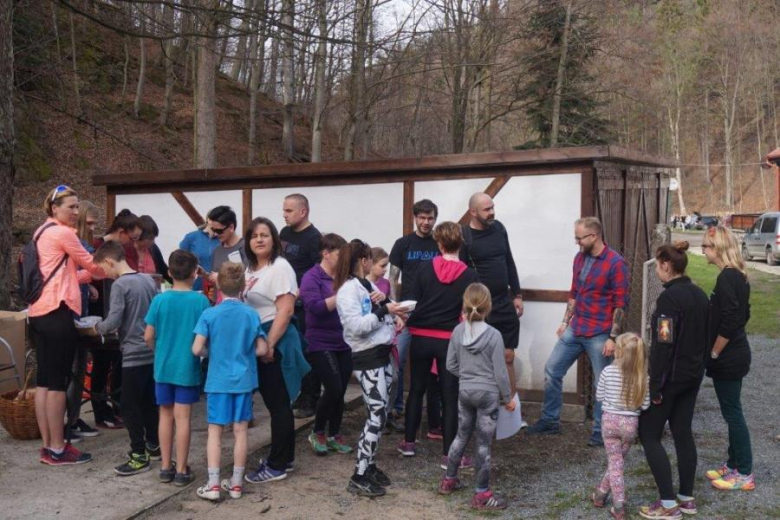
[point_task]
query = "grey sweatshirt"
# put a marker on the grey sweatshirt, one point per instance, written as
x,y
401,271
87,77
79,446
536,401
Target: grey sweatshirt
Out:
x,y
131,295
476,357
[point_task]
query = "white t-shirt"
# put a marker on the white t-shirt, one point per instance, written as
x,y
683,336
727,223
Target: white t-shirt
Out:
x,y
265,285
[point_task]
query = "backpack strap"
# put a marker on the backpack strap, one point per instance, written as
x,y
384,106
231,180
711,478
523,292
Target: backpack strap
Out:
x,y
59,265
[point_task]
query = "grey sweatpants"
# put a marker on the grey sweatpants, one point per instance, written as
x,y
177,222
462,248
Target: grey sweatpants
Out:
x,y
478,407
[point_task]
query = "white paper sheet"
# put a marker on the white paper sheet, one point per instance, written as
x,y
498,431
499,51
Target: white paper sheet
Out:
x,y
509,423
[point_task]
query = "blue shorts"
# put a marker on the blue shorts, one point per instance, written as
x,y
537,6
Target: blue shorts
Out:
x,y
168,394
224,409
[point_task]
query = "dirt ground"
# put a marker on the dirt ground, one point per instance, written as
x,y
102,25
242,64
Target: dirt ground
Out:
x,y
547,477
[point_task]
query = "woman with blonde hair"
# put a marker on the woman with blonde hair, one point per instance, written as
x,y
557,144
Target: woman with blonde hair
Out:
x,y
676,370
623,391
729,361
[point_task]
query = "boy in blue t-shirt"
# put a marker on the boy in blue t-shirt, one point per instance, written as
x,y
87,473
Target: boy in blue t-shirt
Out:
x,y
169,323
235,337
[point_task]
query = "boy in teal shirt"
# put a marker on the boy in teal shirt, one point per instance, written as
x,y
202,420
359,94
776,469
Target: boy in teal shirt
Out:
x,y
170,321
232,335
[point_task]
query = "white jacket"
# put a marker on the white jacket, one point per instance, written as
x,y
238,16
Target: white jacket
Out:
x,y
362,329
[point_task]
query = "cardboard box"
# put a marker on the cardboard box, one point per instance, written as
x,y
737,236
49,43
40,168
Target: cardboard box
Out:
x,y
13,329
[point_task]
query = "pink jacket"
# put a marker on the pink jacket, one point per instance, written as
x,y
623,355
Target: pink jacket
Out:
x,y
64,287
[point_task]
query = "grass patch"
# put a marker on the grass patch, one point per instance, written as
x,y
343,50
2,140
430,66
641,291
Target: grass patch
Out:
x,y
563,501
764,295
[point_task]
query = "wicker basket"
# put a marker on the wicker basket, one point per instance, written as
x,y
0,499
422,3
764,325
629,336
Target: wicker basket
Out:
x,y
17,413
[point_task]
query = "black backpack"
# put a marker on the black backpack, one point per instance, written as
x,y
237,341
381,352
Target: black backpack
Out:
x,y
31,282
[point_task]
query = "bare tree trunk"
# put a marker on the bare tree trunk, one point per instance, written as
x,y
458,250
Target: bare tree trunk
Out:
x,y
319,83
254,87
358,76
759,144
239,59
558,93
206,124
271,86
170,78
224,40
76,91
56,25
139,90
7,169
288,79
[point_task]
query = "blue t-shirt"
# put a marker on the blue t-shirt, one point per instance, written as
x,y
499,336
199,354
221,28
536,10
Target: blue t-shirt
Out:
x,y
232,329
174,314
199,243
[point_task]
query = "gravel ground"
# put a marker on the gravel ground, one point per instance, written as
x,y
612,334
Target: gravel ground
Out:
x,y
548,477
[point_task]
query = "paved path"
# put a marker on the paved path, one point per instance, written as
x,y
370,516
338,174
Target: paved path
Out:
x,y
92,490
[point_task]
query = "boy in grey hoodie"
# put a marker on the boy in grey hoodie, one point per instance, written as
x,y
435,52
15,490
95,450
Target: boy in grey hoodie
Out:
x,y
476,357
131,295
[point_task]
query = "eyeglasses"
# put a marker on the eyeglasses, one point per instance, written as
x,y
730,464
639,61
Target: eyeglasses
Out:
x,y
59,189
580,239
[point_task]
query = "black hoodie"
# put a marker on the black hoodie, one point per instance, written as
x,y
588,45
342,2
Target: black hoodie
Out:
x,y
438,289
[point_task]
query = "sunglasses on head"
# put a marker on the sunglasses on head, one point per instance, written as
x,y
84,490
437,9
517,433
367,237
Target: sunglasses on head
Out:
x,y
59,189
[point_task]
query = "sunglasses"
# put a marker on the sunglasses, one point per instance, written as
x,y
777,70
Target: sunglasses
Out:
x,y
59,189
218,231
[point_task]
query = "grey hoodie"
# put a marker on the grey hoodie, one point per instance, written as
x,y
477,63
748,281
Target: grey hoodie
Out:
x,y
476,357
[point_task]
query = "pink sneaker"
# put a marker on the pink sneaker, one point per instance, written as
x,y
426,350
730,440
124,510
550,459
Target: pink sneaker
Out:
x,y
435,434
407,449
465,462
447,486
487,501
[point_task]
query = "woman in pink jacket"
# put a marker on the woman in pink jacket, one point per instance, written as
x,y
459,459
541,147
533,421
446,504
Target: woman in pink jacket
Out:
x,y
51,320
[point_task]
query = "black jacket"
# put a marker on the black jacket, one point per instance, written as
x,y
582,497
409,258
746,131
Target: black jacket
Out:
x,y
679,356
438,289
729,313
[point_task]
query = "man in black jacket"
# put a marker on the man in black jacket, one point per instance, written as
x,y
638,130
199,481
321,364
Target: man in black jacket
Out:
x,y
487,251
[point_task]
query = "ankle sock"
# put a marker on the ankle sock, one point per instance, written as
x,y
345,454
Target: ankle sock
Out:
x,y
668,504
213,477
57,452
238,476
683,498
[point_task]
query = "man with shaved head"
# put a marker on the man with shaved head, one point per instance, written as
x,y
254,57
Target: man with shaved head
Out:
x,y
487,251
301,247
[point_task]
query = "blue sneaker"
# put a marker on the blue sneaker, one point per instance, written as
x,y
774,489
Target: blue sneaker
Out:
x,y
596,441
265,474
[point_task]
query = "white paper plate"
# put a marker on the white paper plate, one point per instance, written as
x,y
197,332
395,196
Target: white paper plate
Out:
x,y
408,305
87,322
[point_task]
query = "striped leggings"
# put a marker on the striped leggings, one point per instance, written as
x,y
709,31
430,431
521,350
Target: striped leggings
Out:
x,y
377,386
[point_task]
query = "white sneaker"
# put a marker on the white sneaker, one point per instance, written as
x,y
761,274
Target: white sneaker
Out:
x,y
209,493
233,491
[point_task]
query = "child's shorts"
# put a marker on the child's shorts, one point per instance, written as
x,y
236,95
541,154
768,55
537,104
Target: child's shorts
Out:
x,y
168,394
224,409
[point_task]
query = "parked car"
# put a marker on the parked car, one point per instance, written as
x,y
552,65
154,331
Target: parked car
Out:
x,y
763,239
706,222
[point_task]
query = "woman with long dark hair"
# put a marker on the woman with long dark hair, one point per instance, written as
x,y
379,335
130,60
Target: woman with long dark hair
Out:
x,y
678,347
271,289
369,332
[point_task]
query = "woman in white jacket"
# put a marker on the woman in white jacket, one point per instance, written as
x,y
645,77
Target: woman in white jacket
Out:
x,y
366,315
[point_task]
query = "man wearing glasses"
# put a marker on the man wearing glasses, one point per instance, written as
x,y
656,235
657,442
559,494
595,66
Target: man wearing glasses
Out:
x,y
593,319
222,221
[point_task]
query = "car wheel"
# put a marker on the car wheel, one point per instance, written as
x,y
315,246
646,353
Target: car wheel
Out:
x,y
770,257
745,253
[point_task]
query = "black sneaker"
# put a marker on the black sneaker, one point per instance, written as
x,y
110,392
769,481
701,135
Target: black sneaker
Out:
x,y
167,475
71,437
153,450
304,411
83,429
184,479
378,476
395,424
137,463
596,441
543,428
363,486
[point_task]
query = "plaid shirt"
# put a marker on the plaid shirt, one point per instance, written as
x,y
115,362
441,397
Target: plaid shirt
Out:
x,y
605,289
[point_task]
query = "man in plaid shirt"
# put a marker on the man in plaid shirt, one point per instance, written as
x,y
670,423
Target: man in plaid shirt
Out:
x,y
593,319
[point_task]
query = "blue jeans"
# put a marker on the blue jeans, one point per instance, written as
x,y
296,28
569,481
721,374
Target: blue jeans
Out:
x,y
566,351
403,341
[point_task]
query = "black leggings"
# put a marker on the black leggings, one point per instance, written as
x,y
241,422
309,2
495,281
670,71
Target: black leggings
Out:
x,y
139,406
334,369
105,362
677,407
422,352
277,401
